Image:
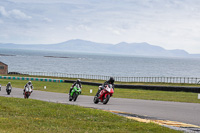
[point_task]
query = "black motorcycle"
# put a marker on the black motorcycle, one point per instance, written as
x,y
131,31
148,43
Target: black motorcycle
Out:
x,y
8,89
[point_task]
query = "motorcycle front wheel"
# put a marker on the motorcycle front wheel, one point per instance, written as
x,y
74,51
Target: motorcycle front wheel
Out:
x,y
26,95
96,100
106,99
70,97
8,92
75,96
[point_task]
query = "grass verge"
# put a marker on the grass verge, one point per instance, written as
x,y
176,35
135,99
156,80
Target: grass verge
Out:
x,y
20,115
119,93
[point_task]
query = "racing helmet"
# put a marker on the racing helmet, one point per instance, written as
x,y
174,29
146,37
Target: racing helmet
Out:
x,y
29,82
78,81
111,80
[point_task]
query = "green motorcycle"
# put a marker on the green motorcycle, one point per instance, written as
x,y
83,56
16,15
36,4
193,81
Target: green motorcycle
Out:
x,y
74,93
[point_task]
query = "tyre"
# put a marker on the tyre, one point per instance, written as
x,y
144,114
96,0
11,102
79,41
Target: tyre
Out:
x,y
27,95
96,100
106,99
8,92
75,96
70,97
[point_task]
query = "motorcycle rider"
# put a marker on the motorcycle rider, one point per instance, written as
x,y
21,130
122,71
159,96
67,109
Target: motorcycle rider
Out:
x,y
110,81
28,84
8,85
74,84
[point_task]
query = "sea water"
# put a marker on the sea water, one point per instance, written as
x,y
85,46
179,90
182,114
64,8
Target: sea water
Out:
x,y
99,64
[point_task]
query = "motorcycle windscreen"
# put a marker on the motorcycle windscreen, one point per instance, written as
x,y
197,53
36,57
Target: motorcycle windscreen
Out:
x,y
28,89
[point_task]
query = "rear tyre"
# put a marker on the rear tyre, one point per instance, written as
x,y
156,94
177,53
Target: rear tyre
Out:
x,y
105,100
96,100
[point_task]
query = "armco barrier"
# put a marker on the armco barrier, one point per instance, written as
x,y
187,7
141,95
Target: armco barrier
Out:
x,y
32,79
147,87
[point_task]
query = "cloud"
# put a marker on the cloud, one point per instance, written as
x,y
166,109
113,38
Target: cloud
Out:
x,y
170,24
3,12
48,1
1,21
77,28
18,14
114,31
15,14
83,27
47,19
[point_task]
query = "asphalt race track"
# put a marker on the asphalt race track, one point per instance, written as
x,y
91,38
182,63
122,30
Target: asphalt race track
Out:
x,y
174,111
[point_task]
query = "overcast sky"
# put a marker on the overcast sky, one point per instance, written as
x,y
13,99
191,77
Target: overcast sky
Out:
x,y
171,24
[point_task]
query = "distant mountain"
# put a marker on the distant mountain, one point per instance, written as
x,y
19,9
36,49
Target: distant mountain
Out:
x,y
146,49
77,45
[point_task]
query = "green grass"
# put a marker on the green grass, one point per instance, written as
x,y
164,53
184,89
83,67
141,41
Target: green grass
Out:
x,y
39,85
157,95
33,116
119,93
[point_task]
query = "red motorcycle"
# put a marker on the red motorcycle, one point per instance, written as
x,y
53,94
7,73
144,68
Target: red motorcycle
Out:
x,y
27,92
104,94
